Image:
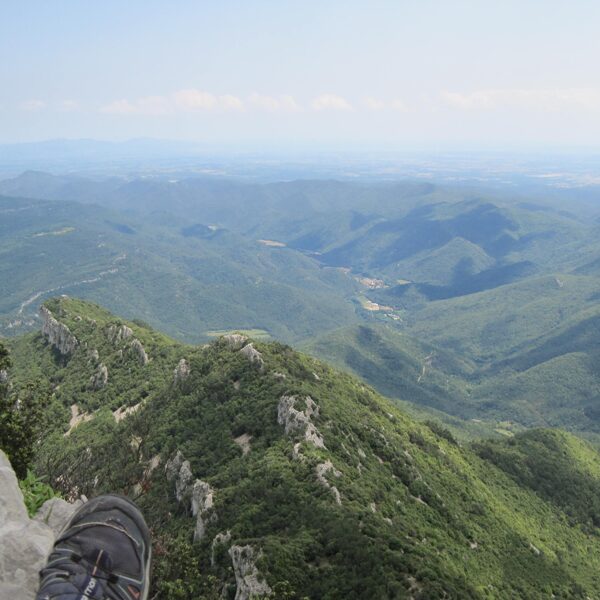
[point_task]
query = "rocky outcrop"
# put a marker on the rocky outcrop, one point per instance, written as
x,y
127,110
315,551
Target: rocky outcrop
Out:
x,y
179,470
300,421
56,512
100,378
253,355
219,540
324,469
202,507
234,340
125,411
139,351
58,334
118,333
182,371
3,376
199,494
247,577
25,543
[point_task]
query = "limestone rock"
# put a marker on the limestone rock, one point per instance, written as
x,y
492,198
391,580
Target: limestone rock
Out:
x,y
3,376
199,494
58,335
253,355
173,465
219,539
246,574
100,378
300,421
182,371
56,512
322,470
202,507
179,470
24,543
234,340
184,481
117,333
138,349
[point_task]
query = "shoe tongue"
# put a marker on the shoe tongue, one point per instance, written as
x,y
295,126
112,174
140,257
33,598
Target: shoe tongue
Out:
x,y
101,560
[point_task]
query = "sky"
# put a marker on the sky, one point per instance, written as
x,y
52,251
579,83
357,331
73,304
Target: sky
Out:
x,y
396,73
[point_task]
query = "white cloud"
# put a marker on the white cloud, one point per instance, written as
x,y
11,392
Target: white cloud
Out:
x,y
331,102
274,103
32,105
398,105
119,107
529,99
194,100
189,100
68,106
229,102
374,103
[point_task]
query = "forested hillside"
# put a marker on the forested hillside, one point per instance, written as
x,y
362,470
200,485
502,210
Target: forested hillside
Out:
x,y
259,466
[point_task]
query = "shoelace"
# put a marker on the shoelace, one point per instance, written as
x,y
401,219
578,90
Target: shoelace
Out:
x,y
71,574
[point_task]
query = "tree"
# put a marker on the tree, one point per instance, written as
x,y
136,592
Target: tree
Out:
x,y
20,418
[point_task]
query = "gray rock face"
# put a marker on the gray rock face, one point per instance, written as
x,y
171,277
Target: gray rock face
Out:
x,y
247,577
234,340
253,355
58,334
300,421
24,543
199,494
117,334
138,349
182,371
183,483
3,376
219,539
324,469
100,378
202,507
56,512
173,465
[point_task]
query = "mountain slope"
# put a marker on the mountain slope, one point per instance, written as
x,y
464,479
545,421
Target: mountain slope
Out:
x,y
188,284
293,478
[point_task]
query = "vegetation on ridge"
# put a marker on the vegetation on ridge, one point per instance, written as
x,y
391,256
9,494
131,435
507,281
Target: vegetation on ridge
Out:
x,y
419,515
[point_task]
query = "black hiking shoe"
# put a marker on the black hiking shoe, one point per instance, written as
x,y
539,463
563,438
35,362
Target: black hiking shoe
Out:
x,y
103,553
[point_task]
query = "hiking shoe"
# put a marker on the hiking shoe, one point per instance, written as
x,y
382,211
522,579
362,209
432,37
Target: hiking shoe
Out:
x,y
103,553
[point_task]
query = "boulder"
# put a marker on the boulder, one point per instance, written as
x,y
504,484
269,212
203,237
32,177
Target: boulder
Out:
x,y
100,378
24,543
182,371
234,340
139,350
247,577
253,355
56,512
117,333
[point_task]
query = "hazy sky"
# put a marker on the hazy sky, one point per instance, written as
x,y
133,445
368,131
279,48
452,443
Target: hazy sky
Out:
x,y
404,72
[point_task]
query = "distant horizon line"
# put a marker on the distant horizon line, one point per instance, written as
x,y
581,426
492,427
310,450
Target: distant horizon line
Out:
x,y
318,147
